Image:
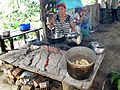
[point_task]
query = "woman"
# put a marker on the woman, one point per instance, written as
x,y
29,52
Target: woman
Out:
x,y
62,21
118,11
114,10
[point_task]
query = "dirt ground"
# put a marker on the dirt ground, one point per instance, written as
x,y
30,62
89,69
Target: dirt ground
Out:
x,y
107,34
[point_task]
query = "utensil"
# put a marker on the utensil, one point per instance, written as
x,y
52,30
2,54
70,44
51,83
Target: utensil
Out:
x,y
6,33
77,28
97,47
74,38
56,38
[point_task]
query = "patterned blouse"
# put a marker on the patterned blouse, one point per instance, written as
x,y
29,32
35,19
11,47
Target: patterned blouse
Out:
x,y
62,26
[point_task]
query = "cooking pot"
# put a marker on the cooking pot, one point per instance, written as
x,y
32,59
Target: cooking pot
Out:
x,y
6,33
77,28
73,38
77,71
56,38
97,47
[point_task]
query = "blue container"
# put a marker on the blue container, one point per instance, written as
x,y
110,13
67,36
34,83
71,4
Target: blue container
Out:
x,y
24,27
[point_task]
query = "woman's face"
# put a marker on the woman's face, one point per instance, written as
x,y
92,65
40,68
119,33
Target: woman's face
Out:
x,y
61,10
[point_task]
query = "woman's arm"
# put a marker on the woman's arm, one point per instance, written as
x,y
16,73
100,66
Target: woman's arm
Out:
x,y
72,26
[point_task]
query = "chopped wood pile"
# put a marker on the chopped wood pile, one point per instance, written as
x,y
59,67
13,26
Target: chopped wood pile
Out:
x,y
28,80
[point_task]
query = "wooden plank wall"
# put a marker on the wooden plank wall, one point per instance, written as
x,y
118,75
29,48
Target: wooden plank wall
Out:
x,y
94,14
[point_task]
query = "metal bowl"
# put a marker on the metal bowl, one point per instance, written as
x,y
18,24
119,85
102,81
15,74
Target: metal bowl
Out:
x,y
6,33
97,47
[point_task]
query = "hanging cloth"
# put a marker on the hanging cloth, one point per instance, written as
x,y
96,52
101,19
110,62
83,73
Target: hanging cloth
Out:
x,y
88,2
71,3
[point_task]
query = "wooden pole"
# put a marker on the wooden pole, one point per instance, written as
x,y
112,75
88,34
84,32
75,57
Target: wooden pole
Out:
x,y
2,45
43,16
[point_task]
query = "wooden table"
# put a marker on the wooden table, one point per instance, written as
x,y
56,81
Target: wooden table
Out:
x,y
19,33
57,68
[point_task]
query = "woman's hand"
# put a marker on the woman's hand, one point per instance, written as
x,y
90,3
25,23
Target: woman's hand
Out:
x,y
50,23
50,26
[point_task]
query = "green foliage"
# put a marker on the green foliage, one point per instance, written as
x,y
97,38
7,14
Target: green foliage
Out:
x,y
115,80
20,11
119,84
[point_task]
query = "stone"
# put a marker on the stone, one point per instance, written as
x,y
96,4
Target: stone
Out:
x,y
28,60
42,61
36,59
62,62
29,68
16,63
54,60
13,56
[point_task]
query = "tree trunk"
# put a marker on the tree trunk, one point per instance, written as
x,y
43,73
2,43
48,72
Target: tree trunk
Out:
x,y
18,3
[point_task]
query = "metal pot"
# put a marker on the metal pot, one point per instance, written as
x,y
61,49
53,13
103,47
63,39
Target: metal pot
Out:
x,y
97,47
73,38
77,28
56,38
6,33
76,71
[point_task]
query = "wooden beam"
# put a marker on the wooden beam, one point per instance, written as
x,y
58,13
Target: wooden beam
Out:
x,y
43,16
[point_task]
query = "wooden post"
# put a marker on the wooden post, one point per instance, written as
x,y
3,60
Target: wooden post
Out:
x,y
93,15
2,45
24,36
43,16
11,43
38,34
